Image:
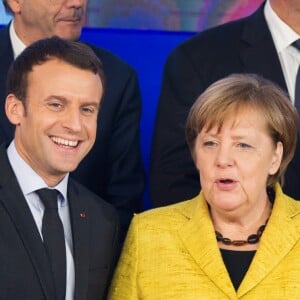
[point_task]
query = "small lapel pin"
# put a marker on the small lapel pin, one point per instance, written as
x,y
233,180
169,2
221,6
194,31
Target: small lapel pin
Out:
x,y
82,215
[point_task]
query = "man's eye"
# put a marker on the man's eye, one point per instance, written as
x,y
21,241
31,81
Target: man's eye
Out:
x,y
55,105
88,110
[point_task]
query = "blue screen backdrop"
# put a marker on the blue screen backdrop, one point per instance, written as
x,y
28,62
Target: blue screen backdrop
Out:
x,y
146,51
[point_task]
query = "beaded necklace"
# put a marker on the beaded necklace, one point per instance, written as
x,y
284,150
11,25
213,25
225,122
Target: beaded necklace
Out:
x,y
252,238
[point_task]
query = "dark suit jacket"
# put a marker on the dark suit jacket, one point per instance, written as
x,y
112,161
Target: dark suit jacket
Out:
x,y
113,169
244,46
24,269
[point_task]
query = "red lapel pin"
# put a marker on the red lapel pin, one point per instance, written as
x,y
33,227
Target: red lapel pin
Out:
x,y
82,215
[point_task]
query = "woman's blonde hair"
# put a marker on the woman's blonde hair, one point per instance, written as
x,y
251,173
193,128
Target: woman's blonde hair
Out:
x,y
228,96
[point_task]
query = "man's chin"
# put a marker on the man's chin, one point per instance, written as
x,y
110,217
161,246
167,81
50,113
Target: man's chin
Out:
x,y
67,168
71,35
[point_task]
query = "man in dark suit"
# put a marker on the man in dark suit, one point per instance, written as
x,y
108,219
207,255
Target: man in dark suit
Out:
x,y
113,169
260,43
54,93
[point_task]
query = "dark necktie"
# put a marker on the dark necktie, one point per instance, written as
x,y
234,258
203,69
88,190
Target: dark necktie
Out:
x,y
54,240
296,44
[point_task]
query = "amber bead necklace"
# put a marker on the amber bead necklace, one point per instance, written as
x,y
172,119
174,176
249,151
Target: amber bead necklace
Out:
x,y
252,238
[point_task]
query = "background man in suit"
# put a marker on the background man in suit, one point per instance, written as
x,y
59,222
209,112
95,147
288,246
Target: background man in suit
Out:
x,y
260,43
113,169
54,93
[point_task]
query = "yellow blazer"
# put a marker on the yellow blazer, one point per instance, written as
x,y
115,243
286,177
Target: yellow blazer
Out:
x,y
172,253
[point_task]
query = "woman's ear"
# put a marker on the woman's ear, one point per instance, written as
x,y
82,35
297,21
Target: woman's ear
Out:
x,y
277,158
14,109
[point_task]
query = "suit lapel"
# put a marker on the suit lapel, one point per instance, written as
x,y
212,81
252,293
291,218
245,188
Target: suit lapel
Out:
x,y
81,239
13,200
258,53
199,239
197,235
280,226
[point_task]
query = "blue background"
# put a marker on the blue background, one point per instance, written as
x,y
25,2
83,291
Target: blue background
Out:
x,y
146,51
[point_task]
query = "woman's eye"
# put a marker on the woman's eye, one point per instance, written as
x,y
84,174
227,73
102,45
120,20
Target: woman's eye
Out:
x,y
243,145
209,143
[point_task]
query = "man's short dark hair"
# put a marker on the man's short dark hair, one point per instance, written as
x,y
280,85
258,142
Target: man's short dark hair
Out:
x,y
75,53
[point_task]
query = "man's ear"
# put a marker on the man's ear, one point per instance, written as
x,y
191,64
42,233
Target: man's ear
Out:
x,y
15,5
14,109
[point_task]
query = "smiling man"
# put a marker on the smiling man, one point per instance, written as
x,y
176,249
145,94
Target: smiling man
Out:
x,y
57,119
65,249
113,168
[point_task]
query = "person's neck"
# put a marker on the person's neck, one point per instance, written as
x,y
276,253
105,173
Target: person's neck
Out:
x,y
26,35
288,14
237,226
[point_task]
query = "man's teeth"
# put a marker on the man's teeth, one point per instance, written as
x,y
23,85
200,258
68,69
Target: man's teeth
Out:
x,y
64,142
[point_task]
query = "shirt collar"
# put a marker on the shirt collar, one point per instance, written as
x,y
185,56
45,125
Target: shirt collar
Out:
x,y
282,34
17,45
28,179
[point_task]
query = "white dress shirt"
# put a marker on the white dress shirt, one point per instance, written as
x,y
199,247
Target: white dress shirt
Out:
x,y
283,36
17,45
29,182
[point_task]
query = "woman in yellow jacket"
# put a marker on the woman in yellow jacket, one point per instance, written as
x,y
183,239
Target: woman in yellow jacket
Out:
x,y
240,237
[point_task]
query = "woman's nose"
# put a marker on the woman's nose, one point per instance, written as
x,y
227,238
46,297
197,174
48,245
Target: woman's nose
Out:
x,y
224,157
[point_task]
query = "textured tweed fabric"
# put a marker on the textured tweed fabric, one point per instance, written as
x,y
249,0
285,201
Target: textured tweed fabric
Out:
x,y
172,253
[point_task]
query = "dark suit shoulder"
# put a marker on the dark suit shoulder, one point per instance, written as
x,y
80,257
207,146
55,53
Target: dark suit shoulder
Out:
x,y
112,62
4,33
235,47
204,58
226,37
215,35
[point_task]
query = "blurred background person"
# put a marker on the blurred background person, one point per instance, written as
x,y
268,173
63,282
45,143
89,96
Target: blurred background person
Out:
x,y
239,238
262,43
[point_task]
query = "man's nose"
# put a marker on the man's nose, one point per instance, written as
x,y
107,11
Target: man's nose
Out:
x,y
72,120
76,3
